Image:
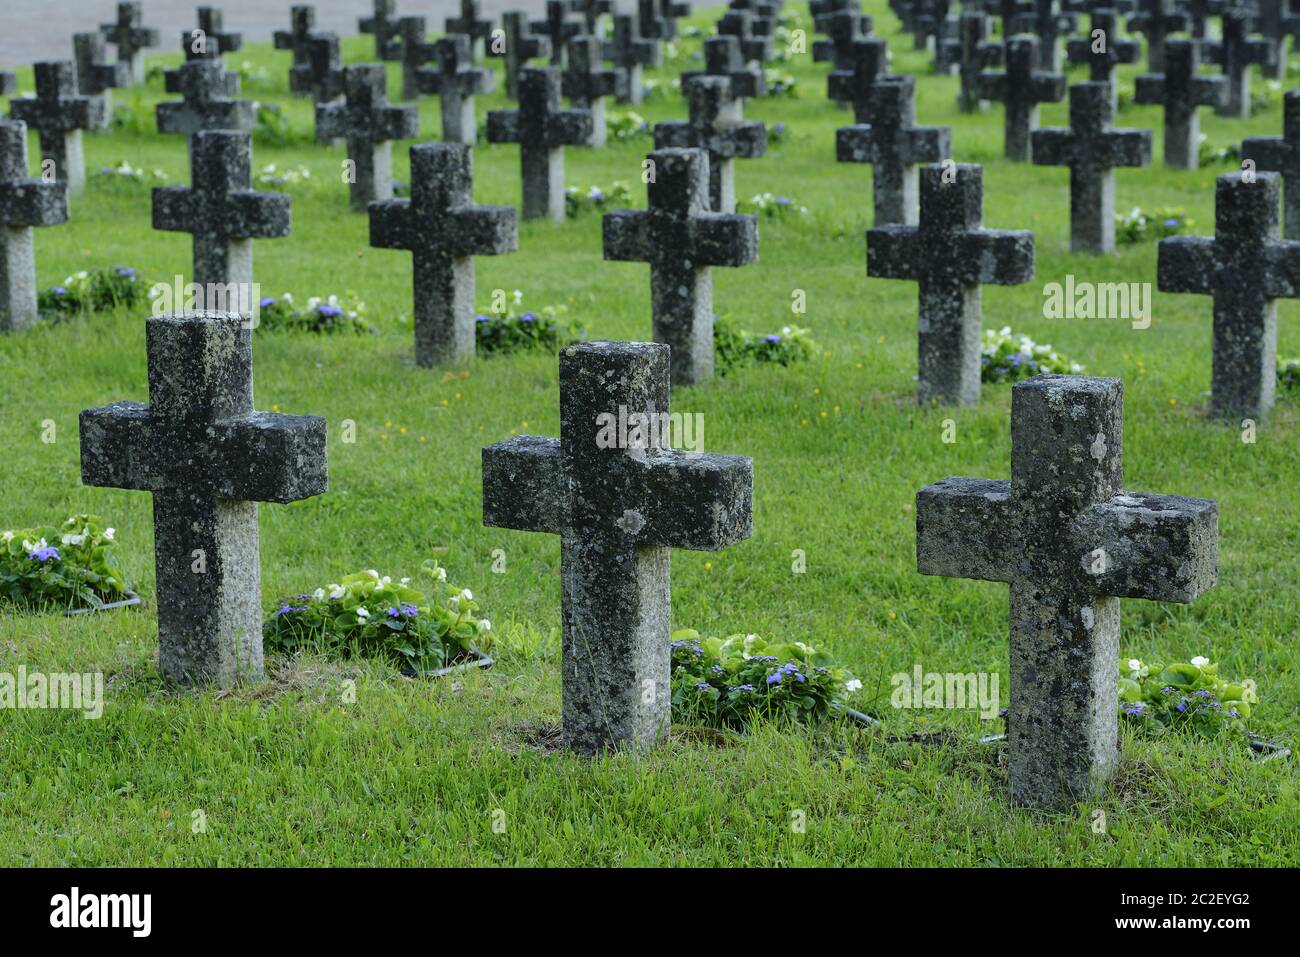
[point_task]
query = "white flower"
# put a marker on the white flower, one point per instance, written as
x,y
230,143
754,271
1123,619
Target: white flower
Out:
x,y
74,540
337,592
1250,694
319,593
853,685
7,536
387,580
442,574
287,297
454,602
406,581
467,594
484,625
109,533
33,546
1135,668
372,573
362,613
1200,661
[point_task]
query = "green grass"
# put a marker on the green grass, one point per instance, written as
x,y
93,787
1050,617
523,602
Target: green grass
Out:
x,y
412,772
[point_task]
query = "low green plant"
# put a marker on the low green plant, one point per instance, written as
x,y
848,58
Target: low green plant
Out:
x,y
594,198
331,314
1008,357
71,566
1137,226
517,329
734,346
771,206
628,125
780,83
1185,696
1288,374
90,291
272,176
123,174
274,129
1208,155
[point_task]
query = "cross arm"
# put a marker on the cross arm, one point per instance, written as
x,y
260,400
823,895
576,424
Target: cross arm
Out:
x,y
1128,147
627,235
965,529
523,484
854,144
568,127
1149,89
928,144
704,501
33,202
1268,152
992,86
483,230
172,208
1047,87
397,123
117,446
1159,547
1053,146
280,458
1209,90
390,221
743,141
331,121
253,215
1280,272
1004,257
892,252
674,134
724,239
503,126
1185,264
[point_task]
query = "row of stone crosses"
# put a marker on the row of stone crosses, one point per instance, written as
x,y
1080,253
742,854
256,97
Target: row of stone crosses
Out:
x,y
1062,531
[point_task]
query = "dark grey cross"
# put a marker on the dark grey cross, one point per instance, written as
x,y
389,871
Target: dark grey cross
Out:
x,y
457,81
25,203
1281,154
618,507
591,12
842,30
1092,149
297,38
1071,542
974,53
223,213
1046,21
558,28
658,18
542,130
1155,20
950,256
1009,14
630,53
130,38
870,64
59,114
471,23
1181,89
369,124
208,457
382,24
321,76
886,137
1275,22
681,239
586,82
1103,50
416,51
1199,12
96,76
8,84
717,125
755,46
722,57
1021,87
204,104
443,230
209,39
763,14
518,45
930,24
1235,52
1246,269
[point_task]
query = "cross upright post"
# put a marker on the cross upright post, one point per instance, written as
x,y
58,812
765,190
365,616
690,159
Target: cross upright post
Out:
x,y
383,25
722,57
1181,89
96,76
1235,52
457,81
586,82
1021,87
1281,154
59,114
25,203
130,38
1103,50
416,51
369,123
869,65
321,76
297,39
472,24
741,24
519,46
630,53
1155,20
974,53
558,28
209,40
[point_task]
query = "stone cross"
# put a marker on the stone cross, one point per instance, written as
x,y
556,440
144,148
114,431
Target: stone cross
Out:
x,y
130,38
931,23
591,12
950,256
1155,20
1046,21
870,64
1010,13
1275,22
208,458
204,105
974,53
618,506
542,130
741,24
842,30
1181,89
1246,269
1071,542
472,24
722,57
8,84
210,38
1200,11
59,115
558,28
586,83
1092,148
383,25
717,125
1103,50
682,239
321,76
886,137
298,37
95,76
443,230
416,51
222,212
369,124
630,53
519,46
1281,154
658,18
1021,88
24,203
1235,53
457,81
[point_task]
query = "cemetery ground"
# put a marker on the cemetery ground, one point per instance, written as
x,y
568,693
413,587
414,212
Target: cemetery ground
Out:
x,y
415,771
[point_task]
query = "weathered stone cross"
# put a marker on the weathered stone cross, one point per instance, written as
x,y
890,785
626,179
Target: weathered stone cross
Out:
x,y
443,230
203,85
24,204
950,256
716,125
1235,53
1071,542
1103,50
222,212
842,28
130,38
383,25
722,57
1245,268
8,84
1181,89
886,137
59,115
321,76
681,239
1199,12
1091,148
472,24
95,76
209,39
297,38
618,511
1049,24
208,458
586,83
1021,88
369,124
1281,154
542,130
974,53
1275,21
658,18
869,64
741,24
416,51
457,81
591,12
558,27
630,53
1155,21
519,46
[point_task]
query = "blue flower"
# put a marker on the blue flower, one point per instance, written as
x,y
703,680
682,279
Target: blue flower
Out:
x,y
482,318
744,687
783,201
288,609
266,303
126,271
329,311
703,685
1180,707
528,317
774,678
1136,709
43,554
59,291
1172,223
772,340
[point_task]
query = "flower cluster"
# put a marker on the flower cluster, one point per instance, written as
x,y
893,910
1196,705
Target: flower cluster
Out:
x,y
368,615
1008,357
252,75
577,202
328,315
1136,226
1265,96
1158,698
628,125
728,682
88,291
733,346
70,566
780,83
517,329
1208,155
272,176
274,129
777,133
772,207
123,172
1288,374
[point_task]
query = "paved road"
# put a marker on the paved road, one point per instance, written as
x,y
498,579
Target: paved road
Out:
x,y
32,30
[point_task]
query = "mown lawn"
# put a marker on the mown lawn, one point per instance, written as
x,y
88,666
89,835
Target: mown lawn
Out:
x,y
417,773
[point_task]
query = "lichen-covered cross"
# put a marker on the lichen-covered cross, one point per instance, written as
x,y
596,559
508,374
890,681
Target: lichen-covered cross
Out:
x,y
717,125
1181,89
1281,154
1021,86
369,124
205,102
24,203
130,37
59,114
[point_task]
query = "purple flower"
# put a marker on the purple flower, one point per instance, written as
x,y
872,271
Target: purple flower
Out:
x,y
1171,223
783,201
126,271
43,554
772,340
1017,358
266,303
1180,707
528,317
703,685
774,678
482,318
403,610
329,311
289,609
1136,709
59,291
744,687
